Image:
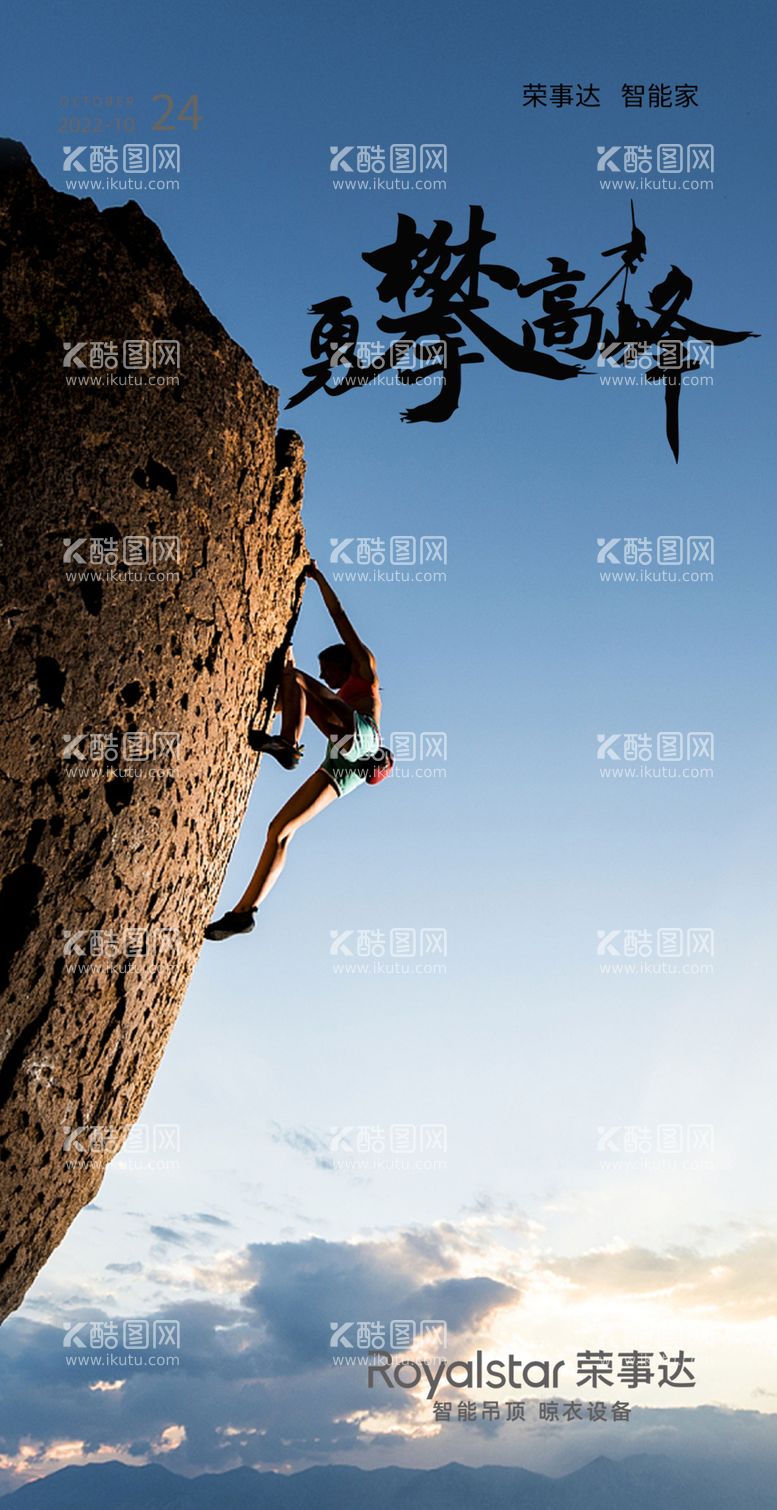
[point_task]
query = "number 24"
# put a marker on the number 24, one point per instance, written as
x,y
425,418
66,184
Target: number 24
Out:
x,y
190,112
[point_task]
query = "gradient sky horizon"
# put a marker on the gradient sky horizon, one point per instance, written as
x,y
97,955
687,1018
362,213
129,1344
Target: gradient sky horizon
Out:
x,y
534,1060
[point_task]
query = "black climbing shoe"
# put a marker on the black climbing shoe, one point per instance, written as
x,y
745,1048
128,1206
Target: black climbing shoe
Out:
x,y
230,924
287,754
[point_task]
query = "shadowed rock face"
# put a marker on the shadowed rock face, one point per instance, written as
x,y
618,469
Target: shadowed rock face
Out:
x,y
121,858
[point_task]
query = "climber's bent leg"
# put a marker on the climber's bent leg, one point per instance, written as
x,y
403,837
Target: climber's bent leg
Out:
x,y
312,797
304,697
285,747
292,704
326,710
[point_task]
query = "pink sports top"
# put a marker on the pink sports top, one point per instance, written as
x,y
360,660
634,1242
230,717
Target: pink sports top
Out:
x,y
357,690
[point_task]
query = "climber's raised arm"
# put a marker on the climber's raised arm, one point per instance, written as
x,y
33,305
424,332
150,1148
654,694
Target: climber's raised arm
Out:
x,y
363,658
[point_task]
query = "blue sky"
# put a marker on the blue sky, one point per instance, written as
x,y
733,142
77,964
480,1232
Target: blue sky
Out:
x,y
523,1048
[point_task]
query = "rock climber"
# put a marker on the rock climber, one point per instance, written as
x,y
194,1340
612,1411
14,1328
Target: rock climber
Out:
x,y
345,706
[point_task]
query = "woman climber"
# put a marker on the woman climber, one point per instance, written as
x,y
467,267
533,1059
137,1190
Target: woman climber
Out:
x,y
345,706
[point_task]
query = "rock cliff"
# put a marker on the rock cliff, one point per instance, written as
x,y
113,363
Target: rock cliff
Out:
x,y
149,574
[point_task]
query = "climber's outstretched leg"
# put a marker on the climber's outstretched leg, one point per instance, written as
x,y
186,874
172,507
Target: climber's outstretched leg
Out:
x,y
312,797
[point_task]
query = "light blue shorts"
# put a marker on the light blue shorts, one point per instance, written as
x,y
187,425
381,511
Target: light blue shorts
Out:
x,y
347,769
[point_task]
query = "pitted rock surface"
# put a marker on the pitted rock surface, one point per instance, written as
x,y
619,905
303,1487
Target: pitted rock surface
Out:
x,y
111,866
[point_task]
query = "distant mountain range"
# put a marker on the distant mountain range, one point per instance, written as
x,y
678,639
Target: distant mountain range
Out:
x,y
642,1482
